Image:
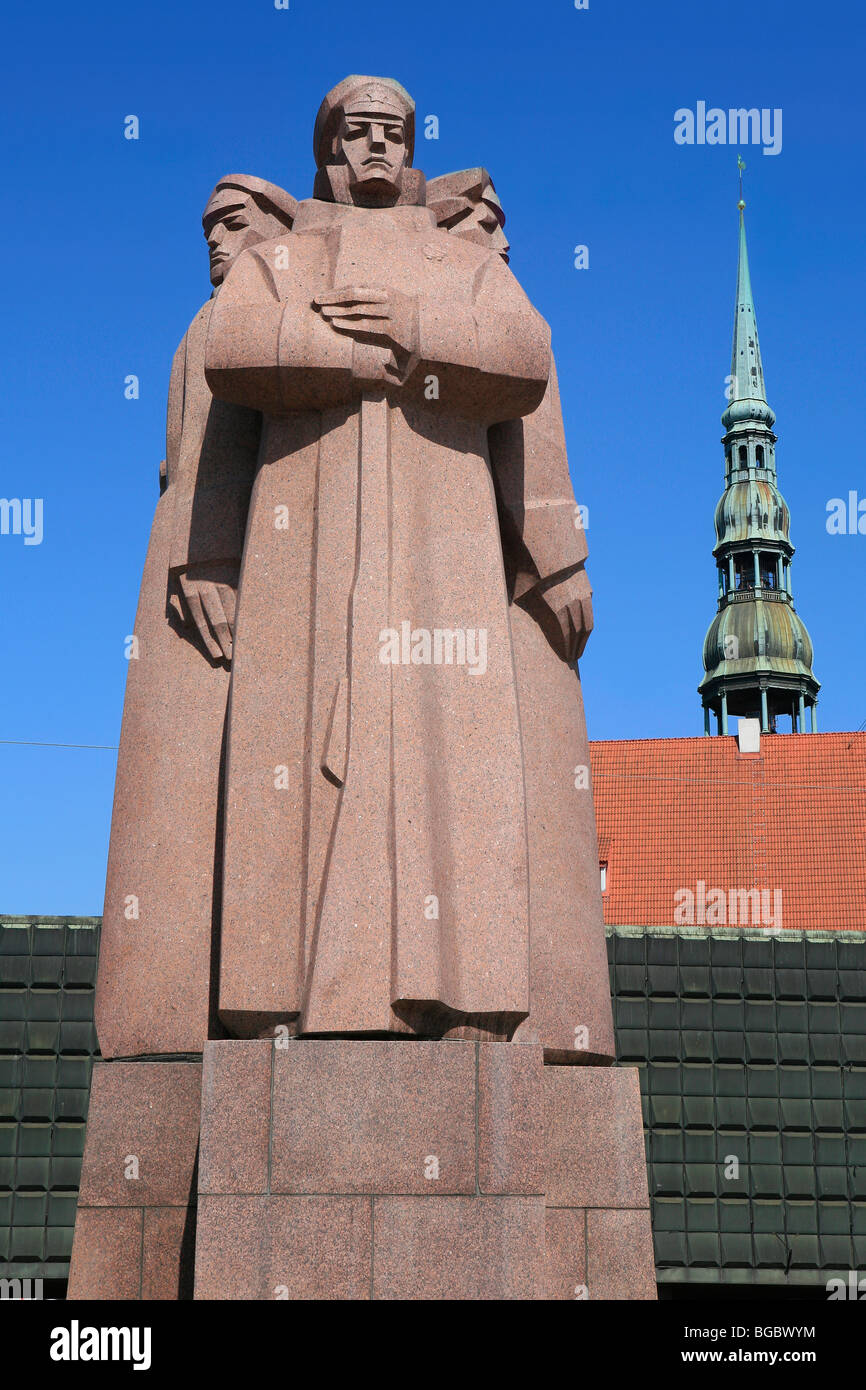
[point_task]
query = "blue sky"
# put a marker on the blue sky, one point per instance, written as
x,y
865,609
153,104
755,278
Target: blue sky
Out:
x,y
573,113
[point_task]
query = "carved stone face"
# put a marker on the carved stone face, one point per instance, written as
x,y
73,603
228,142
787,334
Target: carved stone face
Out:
x,y
232,221
482,225
467,205
373,144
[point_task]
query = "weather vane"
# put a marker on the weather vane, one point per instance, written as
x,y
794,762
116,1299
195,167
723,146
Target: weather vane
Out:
x,y
741,164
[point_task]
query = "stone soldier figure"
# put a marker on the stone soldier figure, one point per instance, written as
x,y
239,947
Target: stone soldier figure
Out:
x,y
162,887
376,874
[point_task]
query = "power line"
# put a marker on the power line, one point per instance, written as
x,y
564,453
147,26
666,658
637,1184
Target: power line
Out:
x,y
32,743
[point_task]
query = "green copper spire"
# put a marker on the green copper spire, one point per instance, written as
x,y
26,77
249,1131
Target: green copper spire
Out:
x,y
746,391
757,651
747,372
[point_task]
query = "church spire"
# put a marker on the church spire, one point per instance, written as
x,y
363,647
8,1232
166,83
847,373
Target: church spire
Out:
x,y
747,372
757,652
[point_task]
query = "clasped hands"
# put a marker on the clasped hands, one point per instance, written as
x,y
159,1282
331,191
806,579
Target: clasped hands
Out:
x,y
388,317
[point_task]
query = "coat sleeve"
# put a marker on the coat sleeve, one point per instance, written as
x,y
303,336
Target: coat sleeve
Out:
x,y
275,354
491,358
216,453
540,515
212,494
174,413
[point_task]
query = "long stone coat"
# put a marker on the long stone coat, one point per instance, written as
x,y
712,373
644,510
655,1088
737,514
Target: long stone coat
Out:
x,y
376,872
160,925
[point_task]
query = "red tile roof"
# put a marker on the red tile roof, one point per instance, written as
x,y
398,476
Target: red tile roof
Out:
x,y
675,813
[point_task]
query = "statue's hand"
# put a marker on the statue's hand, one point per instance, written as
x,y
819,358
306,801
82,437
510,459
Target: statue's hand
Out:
x,y
570,604
206,600
385,316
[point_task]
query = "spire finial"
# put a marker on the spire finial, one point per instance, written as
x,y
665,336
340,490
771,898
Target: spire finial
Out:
x,y
741,164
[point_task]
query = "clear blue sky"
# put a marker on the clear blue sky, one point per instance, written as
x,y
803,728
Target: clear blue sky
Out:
x,y
573,113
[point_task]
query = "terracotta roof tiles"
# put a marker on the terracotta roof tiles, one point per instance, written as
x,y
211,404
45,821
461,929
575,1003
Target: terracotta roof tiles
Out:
x,y
674,814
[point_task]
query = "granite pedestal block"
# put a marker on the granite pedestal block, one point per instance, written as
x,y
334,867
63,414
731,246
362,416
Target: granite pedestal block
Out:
x,y
135,1225
418,1170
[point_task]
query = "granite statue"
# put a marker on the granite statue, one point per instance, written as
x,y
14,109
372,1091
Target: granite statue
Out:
x,y
353,941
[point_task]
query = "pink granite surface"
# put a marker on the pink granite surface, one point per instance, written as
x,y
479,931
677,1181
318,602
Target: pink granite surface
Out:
x,y
440,1170
147,1112
565,1253
595,1144
278,1247
510,1119
235,1117
134,1235
106,1254
619,1255
473,1248
374,1117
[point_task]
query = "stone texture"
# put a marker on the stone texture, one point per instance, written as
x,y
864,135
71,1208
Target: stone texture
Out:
x,y
290,334
569,980
235,1117
619,1255
356,1116
133,1236
458,1248
466,204
106,1254
168,1253
511,1156
148,1111
595,1145
271,1247
565,1244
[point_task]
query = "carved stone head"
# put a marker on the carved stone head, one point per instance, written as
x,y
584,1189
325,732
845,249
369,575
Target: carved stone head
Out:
x,y
364,142
466,204
242,211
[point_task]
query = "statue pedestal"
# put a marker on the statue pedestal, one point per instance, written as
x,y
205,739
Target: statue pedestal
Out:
x,y
361,1169
418,1170
135,1223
